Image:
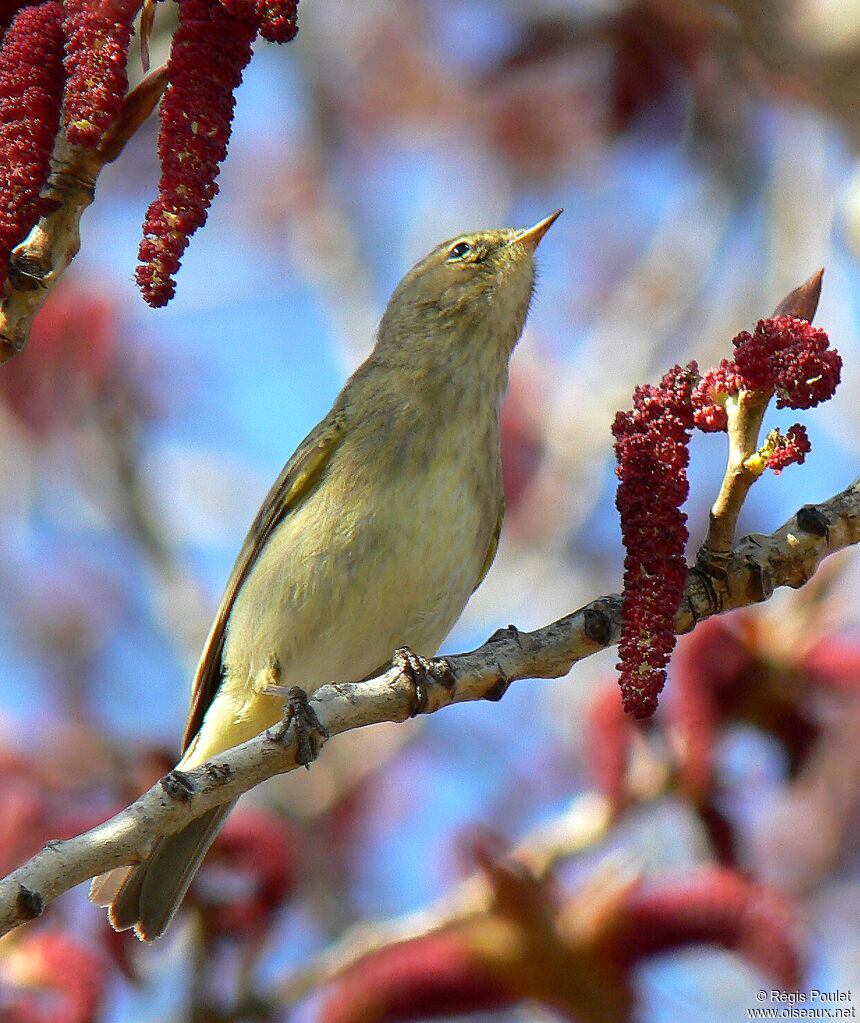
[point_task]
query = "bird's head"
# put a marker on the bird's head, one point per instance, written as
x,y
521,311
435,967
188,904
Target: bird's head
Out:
x,y
466,301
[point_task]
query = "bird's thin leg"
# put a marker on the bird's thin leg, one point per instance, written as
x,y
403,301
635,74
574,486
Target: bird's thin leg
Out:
x,y
298,714
268,680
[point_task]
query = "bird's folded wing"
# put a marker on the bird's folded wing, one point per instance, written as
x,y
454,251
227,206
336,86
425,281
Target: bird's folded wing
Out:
x,y
490,556
295,481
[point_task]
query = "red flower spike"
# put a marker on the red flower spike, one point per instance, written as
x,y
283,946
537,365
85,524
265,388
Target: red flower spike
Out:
x,y
210,50
431,976
31,93
790,356
277,19
97,40
651,446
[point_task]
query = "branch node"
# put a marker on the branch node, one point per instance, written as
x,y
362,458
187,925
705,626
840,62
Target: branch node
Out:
x,y
597,626
712,563
509,632
28,270
498,689
177,785
701,598
761,582
29,904
74,187
812,520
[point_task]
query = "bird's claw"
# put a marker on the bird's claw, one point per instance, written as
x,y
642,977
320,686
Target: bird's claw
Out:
x,y
420,671
310,734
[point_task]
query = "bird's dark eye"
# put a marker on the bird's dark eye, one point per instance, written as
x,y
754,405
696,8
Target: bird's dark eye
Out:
x,y
459,250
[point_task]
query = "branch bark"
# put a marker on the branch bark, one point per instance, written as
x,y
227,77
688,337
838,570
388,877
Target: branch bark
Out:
x,y
758,565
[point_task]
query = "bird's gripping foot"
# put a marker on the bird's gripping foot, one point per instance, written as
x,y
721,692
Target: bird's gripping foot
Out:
x,y
299,715
421,671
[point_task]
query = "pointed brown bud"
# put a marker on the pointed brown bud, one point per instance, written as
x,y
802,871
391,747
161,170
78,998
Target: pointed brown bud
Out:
x,y
803,300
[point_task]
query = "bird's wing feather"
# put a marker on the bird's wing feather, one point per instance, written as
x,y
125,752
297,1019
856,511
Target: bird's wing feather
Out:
x,y
494,544
295,481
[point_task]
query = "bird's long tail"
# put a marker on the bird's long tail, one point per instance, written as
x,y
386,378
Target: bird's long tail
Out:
x,y
146,896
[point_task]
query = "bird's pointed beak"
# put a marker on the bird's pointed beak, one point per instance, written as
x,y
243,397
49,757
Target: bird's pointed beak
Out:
x,y
531,236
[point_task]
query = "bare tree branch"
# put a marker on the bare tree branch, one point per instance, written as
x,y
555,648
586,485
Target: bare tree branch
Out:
x,y
758,565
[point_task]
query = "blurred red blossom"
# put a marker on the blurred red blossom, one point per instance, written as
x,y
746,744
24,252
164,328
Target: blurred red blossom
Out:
x,y
76,363
572,954
26,812
522,437
833,662
712,905
609,736
247,875
431,976
48,976
728,671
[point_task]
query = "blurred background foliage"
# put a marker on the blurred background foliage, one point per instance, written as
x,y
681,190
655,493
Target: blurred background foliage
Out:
x,y
706,157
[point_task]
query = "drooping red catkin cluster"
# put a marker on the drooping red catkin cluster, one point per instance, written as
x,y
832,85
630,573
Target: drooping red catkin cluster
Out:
x,y
31,92
210,50
651,446
98,33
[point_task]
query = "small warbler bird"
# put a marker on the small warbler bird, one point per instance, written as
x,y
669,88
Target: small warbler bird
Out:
x,y
373,537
